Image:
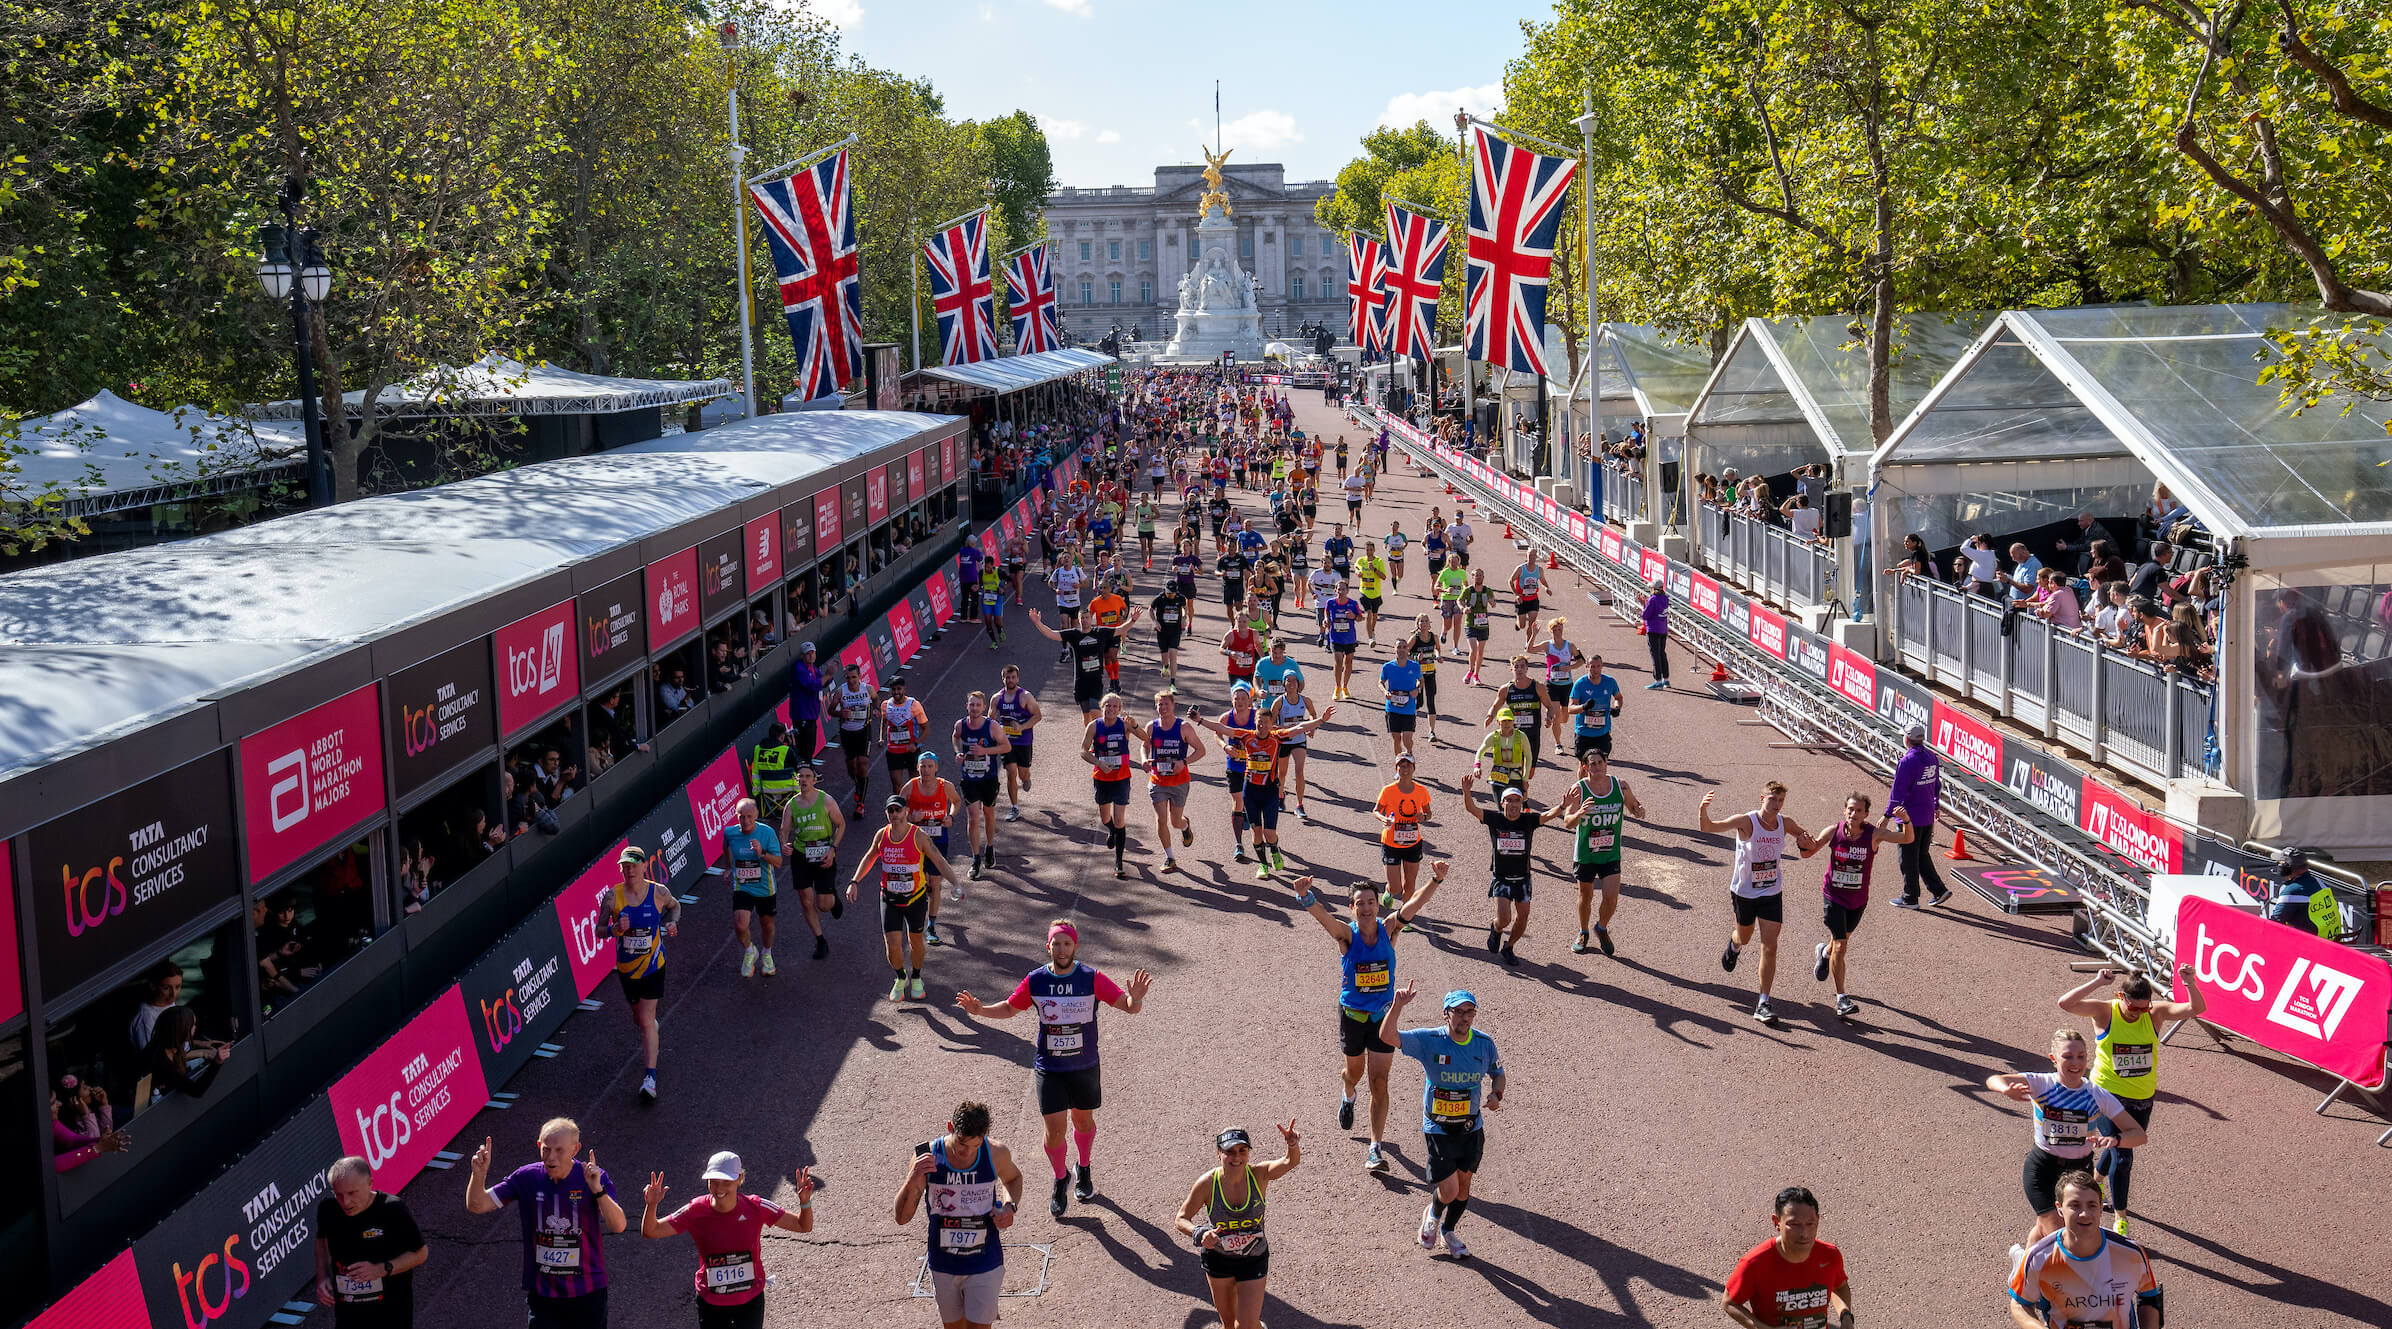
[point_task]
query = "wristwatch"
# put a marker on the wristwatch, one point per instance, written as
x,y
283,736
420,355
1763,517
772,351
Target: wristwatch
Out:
x,y
390,1269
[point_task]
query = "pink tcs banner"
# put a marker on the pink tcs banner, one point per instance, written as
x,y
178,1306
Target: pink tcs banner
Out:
x,y
901,629
672,597
876,495
538,669
311,778
2141,837
2286,989
714,800
412,1095
763,553
941,608
1967,741
12,976
109,1299
826,521
1853,677
591,955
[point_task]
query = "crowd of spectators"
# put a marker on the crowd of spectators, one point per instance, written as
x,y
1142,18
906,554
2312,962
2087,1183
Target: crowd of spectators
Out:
x,y
1797,511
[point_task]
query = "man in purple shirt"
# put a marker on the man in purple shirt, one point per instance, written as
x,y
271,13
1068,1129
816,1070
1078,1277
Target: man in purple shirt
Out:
x,y
564,1203
805,705
1918,791
1655,626
967,572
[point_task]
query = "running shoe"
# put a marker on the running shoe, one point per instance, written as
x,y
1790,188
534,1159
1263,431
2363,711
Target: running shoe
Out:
x,y
1013,812
1187,835
1494,939
1603,938
930,934
1061,1199
1278,858
1455,1248
1345,1114
1727,958
1508,956
1579,947
1819,962
1905,902
1763,1011
1944,898
1299,810
747,963
1847,1007
1428,1230
1375,1160
1025,781
1388,902
1656,684
838,906
2119,1225
917,988
1240,855
822,948
648,1087
1170,864
1085,1189
1263,873
975,875
769,969
897,989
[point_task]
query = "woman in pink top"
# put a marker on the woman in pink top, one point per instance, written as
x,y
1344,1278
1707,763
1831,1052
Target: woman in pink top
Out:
x,y
729,1230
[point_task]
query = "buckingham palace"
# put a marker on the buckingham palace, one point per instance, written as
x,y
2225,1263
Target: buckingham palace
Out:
x,y
1120,251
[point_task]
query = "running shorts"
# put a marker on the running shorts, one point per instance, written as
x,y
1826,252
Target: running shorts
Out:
x,y
1112,793
855,742
1166,639
1594,870
1594,743
1262,805
1752,909
1089,692
1174,794
763,905
963,1297
1060,1090
895,917
1358,1032
907,764
1557,693
1449,1154
1390,855
1019,753
747,1314
1526,604
1842,919
648,987
1236,1268
1518,889
1370,604
821,878
1401,724
1480,634
1344,647
983,792
2040,1177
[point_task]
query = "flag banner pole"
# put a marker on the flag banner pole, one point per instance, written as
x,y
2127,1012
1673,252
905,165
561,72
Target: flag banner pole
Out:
x,y
957,219
1421,208
1024,249
1494,128
799,163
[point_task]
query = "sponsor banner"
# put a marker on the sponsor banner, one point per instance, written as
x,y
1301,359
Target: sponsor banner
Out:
x,y
1736,613
2141,837
516,996
884,647
613,619
1902,703
308,780
826,522
942,605
246,1243
128,871
109,1299
438,711
2043,780
797,536
1038,499
1767,630
411,1095
1703,594
1680,580
589,955
988,542
1552,511
919,600
672,602
12,973
1807,652
670,835
852,507
899,495
1578,527
1005,524
917,474
947,458
859,654
2286,989
901,632
1852,676
1025,514
538,668
720,573
1607,543
763,544
714,801
1975,745
876,495
1651,566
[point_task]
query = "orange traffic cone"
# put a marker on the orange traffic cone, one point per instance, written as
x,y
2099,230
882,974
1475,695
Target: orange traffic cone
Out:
x,y
1552,561
1507,530
1959,849
1719,672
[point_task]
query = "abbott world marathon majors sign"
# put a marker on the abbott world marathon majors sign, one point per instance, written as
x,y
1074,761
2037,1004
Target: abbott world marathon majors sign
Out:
x,y
132,869
311,779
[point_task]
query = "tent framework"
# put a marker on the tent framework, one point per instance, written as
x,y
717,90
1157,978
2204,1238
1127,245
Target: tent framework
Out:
x,y
497,386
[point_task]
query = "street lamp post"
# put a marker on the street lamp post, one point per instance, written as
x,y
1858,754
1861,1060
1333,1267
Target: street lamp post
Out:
x,y
291,268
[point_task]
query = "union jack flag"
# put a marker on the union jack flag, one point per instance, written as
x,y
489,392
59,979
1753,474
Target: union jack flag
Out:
x,y
1363,289
961,294
1415,266
1515,210
1030,297
810,221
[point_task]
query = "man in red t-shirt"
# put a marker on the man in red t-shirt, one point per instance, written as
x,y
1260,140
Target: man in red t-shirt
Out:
x,y
1794,1279
729,1230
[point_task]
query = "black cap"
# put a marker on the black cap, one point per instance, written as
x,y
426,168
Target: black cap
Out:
x,y
1231,1139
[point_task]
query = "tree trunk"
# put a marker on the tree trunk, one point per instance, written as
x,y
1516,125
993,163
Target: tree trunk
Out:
x,y
342,446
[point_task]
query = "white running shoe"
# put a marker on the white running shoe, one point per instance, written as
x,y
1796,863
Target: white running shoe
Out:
x,y
1428,1230
1013,812
747,963
1455,1248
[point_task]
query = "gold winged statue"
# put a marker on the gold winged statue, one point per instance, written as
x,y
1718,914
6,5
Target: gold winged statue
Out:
x,y
1213,196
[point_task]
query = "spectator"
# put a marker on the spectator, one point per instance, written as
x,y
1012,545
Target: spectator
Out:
x,y
613,719
602,754
2115,624
71,1148
2079,543
760,632
2023,575
278,968
2151,628
1801,517
2151,579
1914,560
2055,601
1812,482
415,874
673,699
173,1064
1708,488
367,1250
164,986
721,670
2102,564
1984,566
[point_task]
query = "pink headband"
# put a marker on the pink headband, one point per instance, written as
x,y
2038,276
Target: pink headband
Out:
x,y
1064,930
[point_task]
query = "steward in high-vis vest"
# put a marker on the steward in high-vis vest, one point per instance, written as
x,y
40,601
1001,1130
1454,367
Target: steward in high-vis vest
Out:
x,y
773,773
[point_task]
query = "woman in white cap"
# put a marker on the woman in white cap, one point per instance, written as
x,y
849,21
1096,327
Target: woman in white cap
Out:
x,y
728,1227
1223,1215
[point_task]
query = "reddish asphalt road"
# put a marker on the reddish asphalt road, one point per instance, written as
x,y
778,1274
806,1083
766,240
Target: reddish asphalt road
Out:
x,y
1649,1121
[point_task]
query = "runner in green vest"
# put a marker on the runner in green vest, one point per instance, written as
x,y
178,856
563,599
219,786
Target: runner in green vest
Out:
x,y
1597,805
771,772
810,828
2126,1058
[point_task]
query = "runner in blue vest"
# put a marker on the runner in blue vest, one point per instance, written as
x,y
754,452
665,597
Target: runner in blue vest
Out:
x,y
1366,961
967,1183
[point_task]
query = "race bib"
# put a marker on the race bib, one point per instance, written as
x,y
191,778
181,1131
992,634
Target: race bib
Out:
x,y
636,943
1065,1042
976,765
1399,698
1236,1243
1450,1104
1165,768
1372,978
1478,618
731,1271
1108,762
2133,1059
2064,1125
1600,839
1764,875
1845,878
1511,844
818,853
357,1289
747,872
962,1238
558,1253
1404,836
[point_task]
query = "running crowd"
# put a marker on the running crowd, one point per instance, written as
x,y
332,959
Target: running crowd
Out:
x,y
1218,481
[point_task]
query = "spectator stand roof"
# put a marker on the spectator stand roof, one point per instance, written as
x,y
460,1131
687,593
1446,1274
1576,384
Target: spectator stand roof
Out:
x,y
2060,399
99,647
1653,377
1011,373
110,455
494,385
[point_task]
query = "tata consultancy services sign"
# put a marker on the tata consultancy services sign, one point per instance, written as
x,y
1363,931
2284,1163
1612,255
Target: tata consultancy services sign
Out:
x,y
412,1094
132,869
308,780
538,668
438,712
2286,989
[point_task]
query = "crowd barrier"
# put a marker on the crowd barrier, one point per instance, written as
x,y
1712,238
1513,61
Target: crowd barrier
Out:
x,y
1765,558
1623,495
237,1252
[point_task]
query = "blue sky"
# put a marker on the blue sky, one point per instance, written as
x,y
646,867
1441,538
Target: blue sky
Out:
x,y
1123,86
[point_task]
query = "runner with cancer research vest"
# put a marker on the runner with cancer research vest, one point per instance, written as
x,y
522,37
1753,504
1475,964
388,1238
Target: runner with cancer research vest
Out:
x,y
1366,957
1171,747
1066,994
2126,1058
1793,1279
1458,1063
967,1184
728,1228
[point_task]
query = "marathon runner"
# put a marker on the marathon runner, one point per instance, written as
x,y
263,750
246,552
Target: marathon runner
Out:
x,y
1422,648
1170,750
1066,994
1185,565
754,850
728,1228
1596,700
898,855
1852,851
1504,754
1596,805
1344,616
902,722
1792,1279
1259,752
1105,746
931,805
2066,1107
1086,648
1476,603
641,916
1356,489
2079,1276
811,827
856,705
565,1205
1232,568
1511,831
1366,955
1272,671
1019,713
1235,724
1397,544
1401,680
1525,698
1145,517
1240,646
1370,576
990,592
1458,536
1527,586
981,745
2126,1058
1457,1064
1338,550
1320,585
1562,658
1223,1215
1067,580
1757,885
966,1182
1288,716
1109,612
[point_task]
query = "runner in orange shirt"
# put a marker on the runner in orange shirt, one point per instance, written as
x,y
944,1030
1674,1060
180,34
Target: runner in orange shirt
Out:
x,y
1402,807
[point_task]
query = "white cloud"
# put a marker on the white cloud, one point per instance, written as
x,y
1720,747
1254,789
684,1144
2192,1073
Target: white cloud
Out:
x,y
1079,7
988,13
1404,109
1107,136
1260,130
1057,127
840,13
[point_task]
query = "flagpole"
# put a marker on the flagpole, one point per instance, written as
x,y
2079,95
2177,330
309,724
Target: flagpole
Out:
x,y
799,163
729,35
1023,250
1461,133
913,298
1594,313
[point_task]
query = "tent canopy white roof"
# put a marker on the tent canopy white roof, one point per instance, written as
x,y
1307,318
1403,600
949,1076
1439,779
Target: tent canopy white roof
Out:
x,y
494,385
108,454
1814,370
1010,373
1642,365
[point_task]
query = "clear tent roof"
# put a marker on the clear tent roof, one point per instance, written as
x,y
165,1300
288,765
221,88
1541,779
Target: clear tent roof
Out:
x,y
1010,373
1815,369
1640,362
2176,390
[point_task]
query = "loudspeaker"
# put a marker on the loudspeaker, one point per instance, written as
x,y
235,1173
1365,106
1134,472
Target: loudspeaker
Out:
x,y
1486,419
1836,521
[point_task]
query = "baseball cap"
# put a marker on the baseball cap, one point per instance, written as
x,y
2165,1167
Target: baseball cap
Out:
x,y
928,756
1505,713
1461,997
1406,759
1232,1138
632,854
724,1166
1915,735
805,648
893,801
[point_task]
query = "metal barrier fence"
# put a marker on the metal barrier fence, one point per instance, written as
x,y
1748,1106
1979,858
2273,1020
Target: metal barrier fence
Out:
x,y
1768,560
2148,721
1623,495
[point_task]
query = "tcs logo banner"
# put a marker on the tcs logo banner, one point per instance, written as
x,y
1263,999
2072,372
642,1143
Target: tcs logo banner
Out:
x,y
2287,989
591,955
412,1094
538,669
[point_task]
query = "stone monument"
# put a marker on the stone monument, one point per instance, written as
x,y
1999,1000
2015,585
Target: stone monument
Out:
x,y
1217,308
